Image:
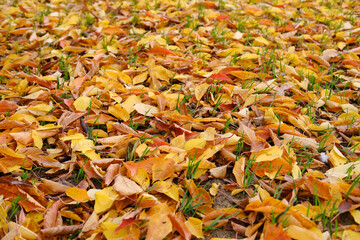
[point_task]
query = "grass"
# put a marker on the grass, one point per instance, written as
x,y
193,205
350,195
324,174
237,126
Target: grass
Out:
x,y
197,32
190,203
14,206
64,67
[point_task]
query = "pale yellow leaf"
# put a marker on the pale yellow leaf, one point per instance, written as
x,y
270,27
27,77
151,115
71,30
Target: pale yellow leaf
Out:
x,y
82,103
125,186
146,109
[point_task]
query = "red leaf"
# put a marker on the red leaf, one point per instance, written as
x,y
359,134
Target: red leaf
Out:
x,y
223,17
125,223
220,77
179,130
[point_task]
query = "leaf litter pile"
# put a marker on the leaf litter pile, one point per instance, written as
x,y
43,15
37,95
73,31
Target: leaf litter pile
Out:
x,y
179,119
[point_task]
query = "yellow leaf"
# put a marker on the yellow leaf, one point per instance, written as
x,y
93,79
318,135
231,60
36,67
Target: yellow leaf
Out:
x,y
300,233
229,52
244,75
3,214
341,45
114,96
70,215
140,150
208,134
214,189
38,142
161,73
195,227
238,171
161,41
140,78
40,109
356,215
79,143
119,112
173,192
23,231
349,108
336,157
99,133
260,41
267,154
9,61
263,193
77,194
129,103
195,143
249,56
70,21
178,141
110,232
296,172
342,171
126,78
200,90
142,178
104,199
82,103
231,139
9,152
350,235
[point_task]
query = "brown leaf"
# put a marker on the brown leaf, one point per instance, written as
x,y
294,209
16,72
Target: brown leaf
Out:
x,y
61,230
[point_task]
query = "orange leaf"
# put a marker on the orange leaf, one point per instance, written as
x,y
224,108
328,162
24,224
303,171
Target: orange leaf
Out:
x,y
284,128
7,106
113,30
220,77
273,232
355,63
146,164
317,187
163,169
244,75
238,171
159,227
223,17
161,51
77,194
179,224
